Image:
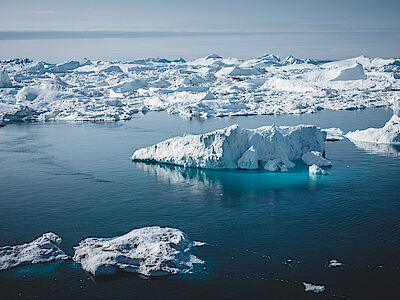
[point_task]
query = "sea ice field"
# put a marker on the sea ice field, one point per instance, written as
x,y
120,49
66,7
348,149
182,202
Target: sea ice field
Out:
x,y
85,90
81,219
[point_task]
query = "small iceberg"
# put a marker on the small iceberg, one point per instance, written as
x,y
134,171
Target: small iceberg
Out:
x,y
149,251
315,170
309,287
334,263
233,147
5,81
43,249
388,134
333,134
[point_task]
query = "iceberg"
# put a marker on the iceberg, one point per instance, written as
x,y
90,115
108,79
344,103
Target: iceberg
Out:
x,y
315,170
5,81
149,251
388,134
309,287
334,263
333,134
234,147
43,249
315,158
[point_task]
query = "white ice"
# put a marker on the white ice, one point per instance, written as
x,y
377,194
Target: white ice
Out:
x,y
388,134
233,147
148,251
211,86
315,158
334,263
43,249
333,134
309,287
315,170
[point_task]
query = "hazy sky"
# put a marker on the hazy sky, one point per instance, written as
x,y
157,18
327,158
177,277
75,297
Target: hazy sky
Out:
x,y
218,15
322,29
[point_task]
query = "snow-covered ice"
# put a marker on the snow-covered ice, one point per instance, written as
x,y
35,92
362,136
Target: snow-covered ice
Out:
x,y
315,158
333,134
233,147
315,170
43,249
309,287
84,90
388,134
148,251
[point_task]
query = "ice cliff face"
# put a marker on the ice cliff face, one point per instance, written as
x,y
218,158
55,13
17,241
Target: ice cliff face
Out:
x,y
148,251
233,147
210,86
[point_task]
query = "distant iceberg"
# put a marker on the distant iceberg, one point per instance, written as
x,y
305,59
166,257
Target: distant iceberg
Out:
x,y
43,249
150,251
234,147
309,287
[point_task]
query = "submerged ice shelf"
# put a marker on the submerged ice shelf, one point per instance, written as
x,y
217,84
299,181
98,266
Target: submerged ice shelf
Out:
x,y
209,86
233,147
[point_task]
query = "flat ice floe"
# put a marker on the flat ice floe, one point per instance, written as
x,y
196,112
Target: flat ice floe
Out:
x,y
233,147
148,251
309,287
43,249
210,86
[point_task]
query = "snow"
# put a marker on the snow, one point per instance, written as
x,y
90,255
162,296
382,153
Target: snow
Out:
x,y
334,263
235,147
5,81
333,134
79,90
388,134
309,287
43,249
150,251
315,158
315,170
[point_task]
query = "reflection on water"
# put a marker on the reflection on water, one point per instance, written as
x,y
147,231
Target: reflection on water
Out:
x,y
380,149
230,182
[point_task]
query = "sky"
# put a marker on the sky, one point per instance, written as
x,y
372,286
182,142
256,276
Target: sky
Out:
x,y
303,17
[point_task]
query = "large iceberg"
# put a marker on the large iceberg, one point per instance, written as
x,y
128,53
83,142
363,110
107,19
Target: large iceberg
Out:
x,y
43,249
148,251
234,147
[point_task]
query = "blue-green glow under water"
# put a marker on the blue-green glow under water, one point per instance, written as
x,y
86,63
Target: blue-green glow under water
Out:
x,y
266,232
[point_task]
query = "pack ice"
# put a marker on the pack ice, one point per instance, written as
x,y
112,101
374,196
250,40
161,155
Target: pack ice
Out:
x,y
210,86
233,147
43,249
148,251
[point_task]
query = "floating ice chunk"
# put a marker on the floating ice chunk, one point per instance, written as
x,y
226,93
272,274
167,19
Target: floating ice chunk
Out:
x,y
43,249
309,287
112,68
209,96
65,67
249,160
388,134
315,170
225,148
5,81
148,251
333,134
334,263
315,158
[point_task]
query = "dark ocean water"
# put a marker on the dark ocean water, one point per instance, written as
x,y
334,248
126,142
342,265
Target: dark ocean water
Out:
x,y
266,232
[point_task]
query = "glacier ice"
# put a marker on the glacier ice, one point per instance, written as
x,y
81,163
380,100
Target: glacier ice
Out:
x,y
149,251
309,287
334,263
43,249
315,170
80,90
315,158
233,147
